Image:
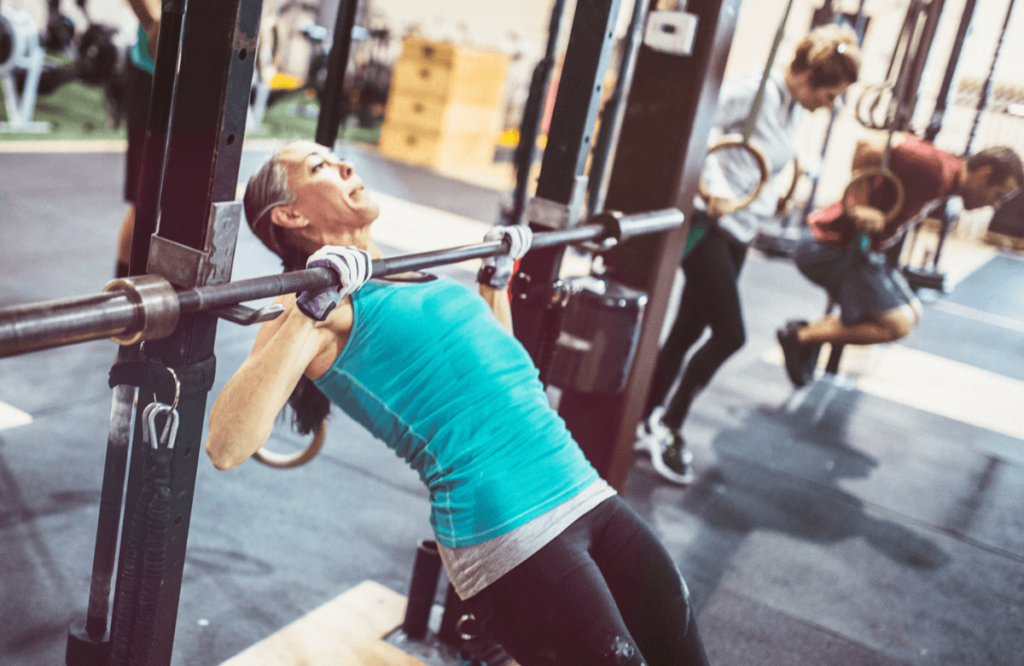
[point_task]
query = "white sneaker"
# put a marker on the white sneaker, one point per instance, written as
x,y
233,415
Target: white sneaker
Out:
x,y
649,428
670,457
654,424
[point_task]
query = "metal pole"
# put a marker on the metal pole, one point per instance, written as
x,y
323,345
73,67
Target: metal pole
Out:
x,y
658,162
203,153
562,182
615,110
146,212
529,126
154,151
333,105
33,327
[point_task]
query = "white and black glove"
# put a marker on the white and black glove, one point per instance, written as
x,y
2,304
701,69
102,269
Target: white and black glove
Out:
x,y
496,271
353,265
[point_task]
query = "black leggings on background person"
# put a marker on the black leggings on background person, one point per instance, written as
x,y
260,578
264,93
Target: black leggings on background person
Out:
x,y
621,599
710,299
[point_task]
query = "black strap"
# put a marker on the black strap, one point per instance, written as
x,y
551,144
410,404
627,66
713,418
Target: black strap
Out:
x,y
143,564
550,329
755,107
195,378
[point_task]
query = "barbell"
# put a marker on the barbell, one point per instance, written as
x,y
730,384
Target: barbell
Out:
x,y
148,307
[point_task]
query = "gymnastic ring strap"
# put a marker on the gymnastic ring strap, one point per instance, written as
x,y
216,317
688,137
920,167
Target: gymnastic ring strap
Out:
x,y
868,175
737,141
289,460
755,106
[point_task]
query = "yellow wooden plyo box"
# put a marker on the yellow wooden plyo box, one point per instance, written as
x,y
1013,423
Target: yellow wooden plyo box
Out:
x,y
346,631
445,105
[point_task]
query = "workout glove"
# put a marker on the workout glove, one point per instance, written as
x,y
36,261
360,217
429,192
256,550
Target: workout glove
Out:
x,y
496,271
353,265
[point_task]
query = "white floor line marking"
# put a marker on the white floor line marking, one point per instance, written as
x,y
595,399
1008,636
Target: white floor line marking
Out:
x,y
978,315
12,417
64,146
99,145
933,384
412,227
962,257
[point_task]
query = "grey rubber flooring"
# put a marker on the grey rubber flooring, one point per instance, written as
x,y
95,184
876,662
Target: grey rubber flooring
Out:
x,y
833,526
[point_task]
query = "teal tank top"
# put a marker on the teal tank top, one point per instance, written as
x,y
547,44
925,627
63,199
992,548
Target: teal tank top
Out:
x,y
139,52
429,370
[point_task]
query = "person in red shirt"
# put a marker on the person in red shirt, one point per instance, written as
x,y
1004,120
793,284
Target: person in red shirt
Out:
x,y
846,254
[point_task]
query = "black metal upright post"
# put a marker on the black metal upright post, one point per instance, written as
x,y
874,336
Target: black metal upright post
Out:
x,y
218,50
615,110
660,154
333,105
154,151
529,126
562,182
89,645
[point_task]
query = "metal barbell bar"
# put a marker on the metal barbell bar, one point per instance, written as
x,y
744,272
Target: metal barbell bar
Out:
x,y
142,308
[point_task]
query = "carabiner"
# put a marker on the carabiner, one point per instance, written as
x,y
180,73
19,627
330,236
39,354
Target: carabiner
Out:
x,y
147,438
170,432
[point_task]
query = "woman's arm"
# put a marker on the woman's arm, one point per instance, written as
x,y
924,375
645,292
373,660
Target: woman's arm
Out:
x,y
497,299
495,273
243,415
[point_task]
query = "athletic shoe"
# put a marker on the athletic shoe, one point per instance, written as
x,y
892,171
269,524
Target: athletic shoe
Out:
x,y
811,352
796,355
652,426
670,457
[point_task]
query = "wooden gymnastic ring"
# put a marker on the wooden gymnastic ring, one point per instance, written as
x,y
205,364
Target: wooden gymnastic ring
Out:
x,y
289,460
736,141
866,117
867,174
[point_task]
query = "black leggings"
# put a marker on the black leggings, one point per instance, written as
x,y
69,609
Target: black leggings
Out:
x,y
605,592
710,298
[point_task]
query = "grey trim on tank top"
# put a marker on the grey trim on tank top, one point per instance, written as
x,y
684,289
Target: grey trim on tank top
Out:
x,y
472,568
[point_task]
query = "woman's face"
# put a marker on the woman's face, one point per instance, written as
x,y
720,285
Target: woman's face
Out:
x,y
327,189
813,97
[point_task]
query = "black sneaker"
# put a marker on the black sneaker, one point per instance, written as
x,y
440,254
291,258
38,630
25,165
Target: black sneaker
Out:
x,y
811,352
796,355
670,457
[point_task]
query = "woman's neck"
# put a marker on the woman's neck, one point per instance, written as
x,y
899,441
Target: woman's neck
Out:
x,y
359,238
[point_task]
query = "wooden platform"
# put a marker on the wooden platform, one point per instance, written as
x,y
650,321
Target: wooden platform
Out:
x,y
346,631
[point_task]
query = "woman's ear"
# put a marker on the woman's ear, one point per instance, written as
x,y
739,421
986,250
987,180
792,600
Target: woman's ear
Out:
x,y
288,217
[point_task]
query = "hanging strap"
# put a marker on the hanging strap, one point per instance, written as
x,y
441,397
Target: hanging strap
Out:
x,y
755,106
743,140
145,543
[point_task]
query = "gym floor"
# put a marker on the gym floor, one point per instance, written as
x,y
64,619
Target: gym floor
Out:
x,y
872,518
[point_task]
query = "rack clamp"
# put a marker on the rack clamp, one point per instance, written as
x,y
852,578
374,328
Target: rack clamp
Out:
x,y
555,215
189,268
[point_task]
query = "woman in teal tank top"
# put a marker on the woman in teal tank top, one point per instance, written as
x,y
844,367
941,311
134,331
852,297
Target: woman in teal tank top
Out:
x,y
557,568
